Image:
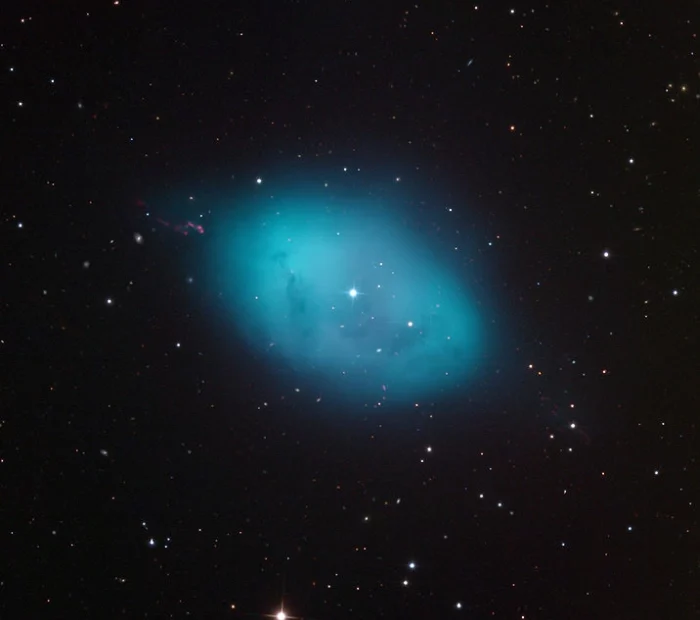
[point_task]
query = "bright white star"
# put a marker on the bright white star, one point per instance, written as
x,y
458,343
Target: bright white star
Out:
x,y
352,292
281,615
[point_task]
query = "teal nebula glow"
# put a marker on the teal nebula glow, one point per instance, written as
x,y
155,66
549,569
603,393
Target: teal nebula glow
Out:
x,y
349,297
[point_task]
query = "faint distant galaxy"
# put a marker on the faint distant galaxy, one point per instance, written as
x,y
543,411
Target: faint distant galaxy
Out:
x,y
351,295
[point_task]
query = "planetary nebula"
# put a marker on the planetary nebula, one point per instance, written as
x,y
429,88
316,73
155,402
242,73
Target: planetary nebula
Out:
x,y
349,298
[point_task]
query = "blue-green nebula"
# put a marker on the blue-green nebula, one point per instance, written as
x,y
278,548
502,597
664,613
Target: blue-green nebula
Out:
x,y
358,300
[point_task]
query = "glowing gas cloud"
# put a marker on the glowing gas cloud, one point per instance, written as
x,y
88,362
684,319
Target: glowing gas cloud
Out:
x,y
356,298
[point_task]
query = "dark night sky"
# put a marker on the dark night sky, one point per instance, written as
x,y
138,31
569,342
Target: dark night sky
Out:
x,y
154,464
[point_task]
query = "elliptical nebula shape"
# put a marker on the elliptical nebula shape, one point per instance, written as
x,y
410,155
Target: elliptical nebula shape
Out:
x,y
356,303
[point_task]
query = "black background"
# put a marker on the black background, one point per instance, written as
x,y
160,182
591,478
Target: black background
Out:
x,y
111,436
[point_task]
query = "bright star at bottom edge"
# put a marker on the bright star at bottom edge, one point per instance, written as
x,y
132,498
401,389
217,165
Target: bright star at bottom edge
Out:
x,y
282,615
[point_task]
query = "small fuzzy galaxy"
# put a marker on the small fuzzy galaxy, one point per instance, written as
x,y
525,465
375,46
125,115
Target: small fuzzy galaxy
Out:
x,y
351,297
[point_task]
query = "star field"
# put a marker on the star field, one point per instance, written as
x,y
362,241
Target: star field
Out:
x,y
350,310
